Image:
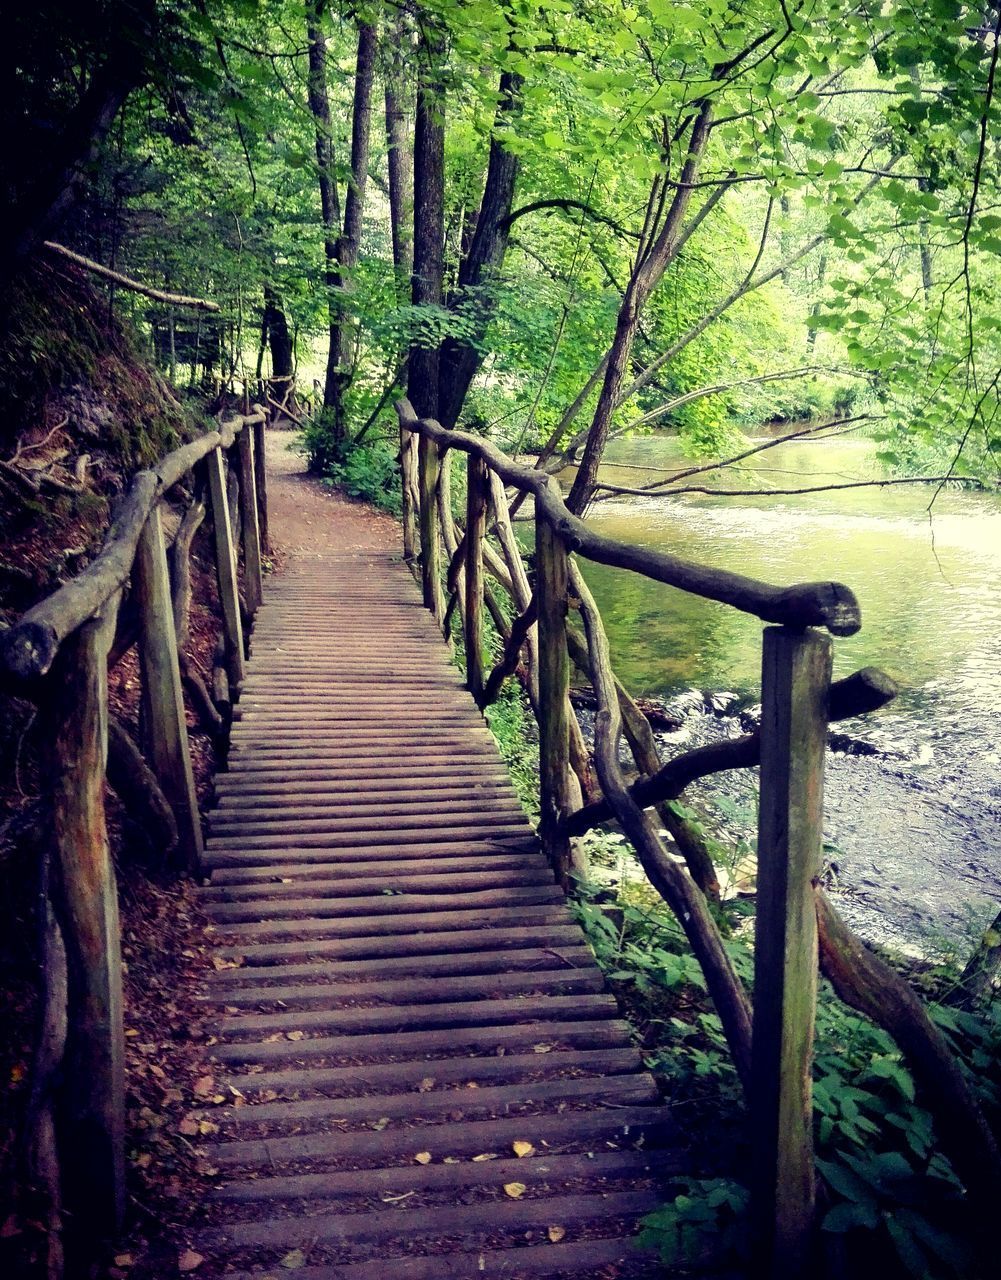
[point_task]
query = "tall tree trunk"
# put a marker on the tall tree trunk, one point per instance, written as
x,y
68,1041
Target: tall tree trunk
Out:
x,y
645,277
429,217
400,158
319,105
349,242
460,360
275,325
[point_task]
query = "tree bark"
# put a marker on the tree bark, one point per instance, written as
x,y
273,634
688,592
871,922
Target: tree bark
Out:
x,y
429,219
460,360
349,241
400,161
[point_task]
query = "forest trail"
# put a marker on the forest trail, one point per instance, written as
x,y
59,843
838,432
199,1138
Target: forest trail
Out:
x,y
405,1002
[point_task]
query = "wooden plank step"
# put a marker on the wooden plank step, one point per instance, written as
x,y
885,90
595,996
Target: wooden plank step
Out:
x,y
491,933
487,947
590,1259
382,785
481,1220
459,1103
457,1013
499,842
386,777
345,803
235,824
387,1076
327,877
229,904
413,990
574,1128
552,1170
597,1034
392,921
509,831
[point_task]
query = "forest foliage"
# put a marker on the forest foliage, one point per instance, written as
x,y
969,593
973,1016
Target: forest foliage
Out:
x,y
794,205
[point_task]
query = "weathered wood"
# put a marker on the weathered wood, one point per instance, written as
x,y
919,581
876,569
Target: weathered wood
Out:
x,y
136,786
554,703
428,466
477,497
92,1107
828,604
162,697
253,582
125,282
408,485
259,429
225,557
796,671
875,989
670,881
864,691
521,591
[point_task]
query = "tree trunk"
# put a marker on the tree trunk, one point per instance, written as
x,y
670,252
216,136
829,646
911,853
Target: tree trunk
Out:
x,y
645,277
429,218
400,156
459,361
349,241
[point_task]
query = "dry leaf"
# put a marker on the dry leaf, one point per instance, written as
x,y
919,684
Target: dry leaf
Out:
x,y
189,1261
295,1035
426,1085
124,1260
380,1124
294,1259
206,1127
556,1234
487,1155
522,1149
541,1048
189,1127
205,1086
515,1190
423,1157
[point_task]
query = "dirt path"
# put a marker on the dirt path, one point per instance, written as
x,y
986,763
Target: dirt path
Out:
x,y
308,518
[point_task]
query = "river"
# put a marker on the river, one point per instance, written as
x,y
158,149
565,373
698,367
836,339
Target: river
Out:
x,y
913,803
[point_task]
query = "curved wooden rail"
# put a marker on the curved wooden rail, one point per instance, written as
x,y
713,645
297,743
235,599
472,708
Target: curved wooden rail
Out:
x,y
57,654
798,701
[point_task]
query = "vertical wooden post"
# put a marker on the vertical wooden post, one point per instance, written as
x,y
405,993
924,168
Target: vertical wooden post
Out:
x,y
92,1108
409,518
428,466
261,482
250,528
551,578
477,500
162,696
225,561
796,673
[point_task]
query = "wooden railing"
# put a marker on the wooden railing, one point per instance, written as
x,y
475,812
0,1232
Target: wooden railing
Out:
x,y
797,702
57,655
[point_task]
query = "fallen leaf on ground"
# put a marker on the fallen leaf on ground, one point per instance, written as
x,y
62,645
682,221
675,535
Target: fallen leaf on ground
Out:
x,y
189,1261
426,1085
189,1127
541,1048
522,1149
204,1086
295,1035
515,1190
556,1234
293,1259
380,1124
124,1260
487,1155
423,1157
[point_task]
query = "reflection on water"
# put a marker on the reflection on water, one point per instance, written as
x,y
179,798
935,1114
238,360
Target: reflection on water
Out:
x,y
931,606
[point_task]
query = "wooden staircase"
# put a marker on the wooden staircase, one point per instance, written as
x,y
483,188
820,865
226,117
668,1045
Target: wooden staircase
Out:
x,y
407,1001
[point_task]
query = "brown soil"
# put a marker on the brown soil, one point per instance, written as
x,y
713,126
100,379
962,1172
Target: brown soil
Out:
x,y
308,517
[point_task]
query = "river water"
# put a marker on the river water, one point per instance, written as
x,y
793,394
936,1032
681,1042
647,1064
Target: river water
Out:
x,y
914,793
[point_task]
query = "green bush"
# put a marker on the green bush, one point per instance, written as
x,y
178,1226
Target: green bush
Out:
x,y
369,470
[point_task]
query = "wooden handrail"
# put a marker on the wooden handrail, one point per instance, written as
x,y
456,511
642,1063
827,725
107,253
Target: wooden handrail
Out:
x,y
28,648
812,604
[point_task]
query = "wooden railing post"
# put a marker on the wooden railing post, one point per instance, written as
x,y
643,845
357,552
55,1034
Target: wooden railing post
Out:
x,y
261,481
225,559
796,672
551,579
249,524
408,515
162,696
428,466
477,500
91,1115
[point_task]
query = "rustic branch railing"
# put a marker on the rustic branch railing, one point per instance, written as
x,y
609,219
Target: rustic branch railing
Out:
x,y
798,701
57,654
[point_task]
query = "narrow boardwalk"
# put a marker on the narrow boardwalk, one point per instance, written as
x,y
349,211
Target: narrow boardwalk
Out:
x,y
409,995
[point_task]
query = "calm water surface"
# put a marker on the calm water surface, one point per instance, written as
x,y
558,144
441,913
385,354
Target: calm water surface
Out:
x,y
929,588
